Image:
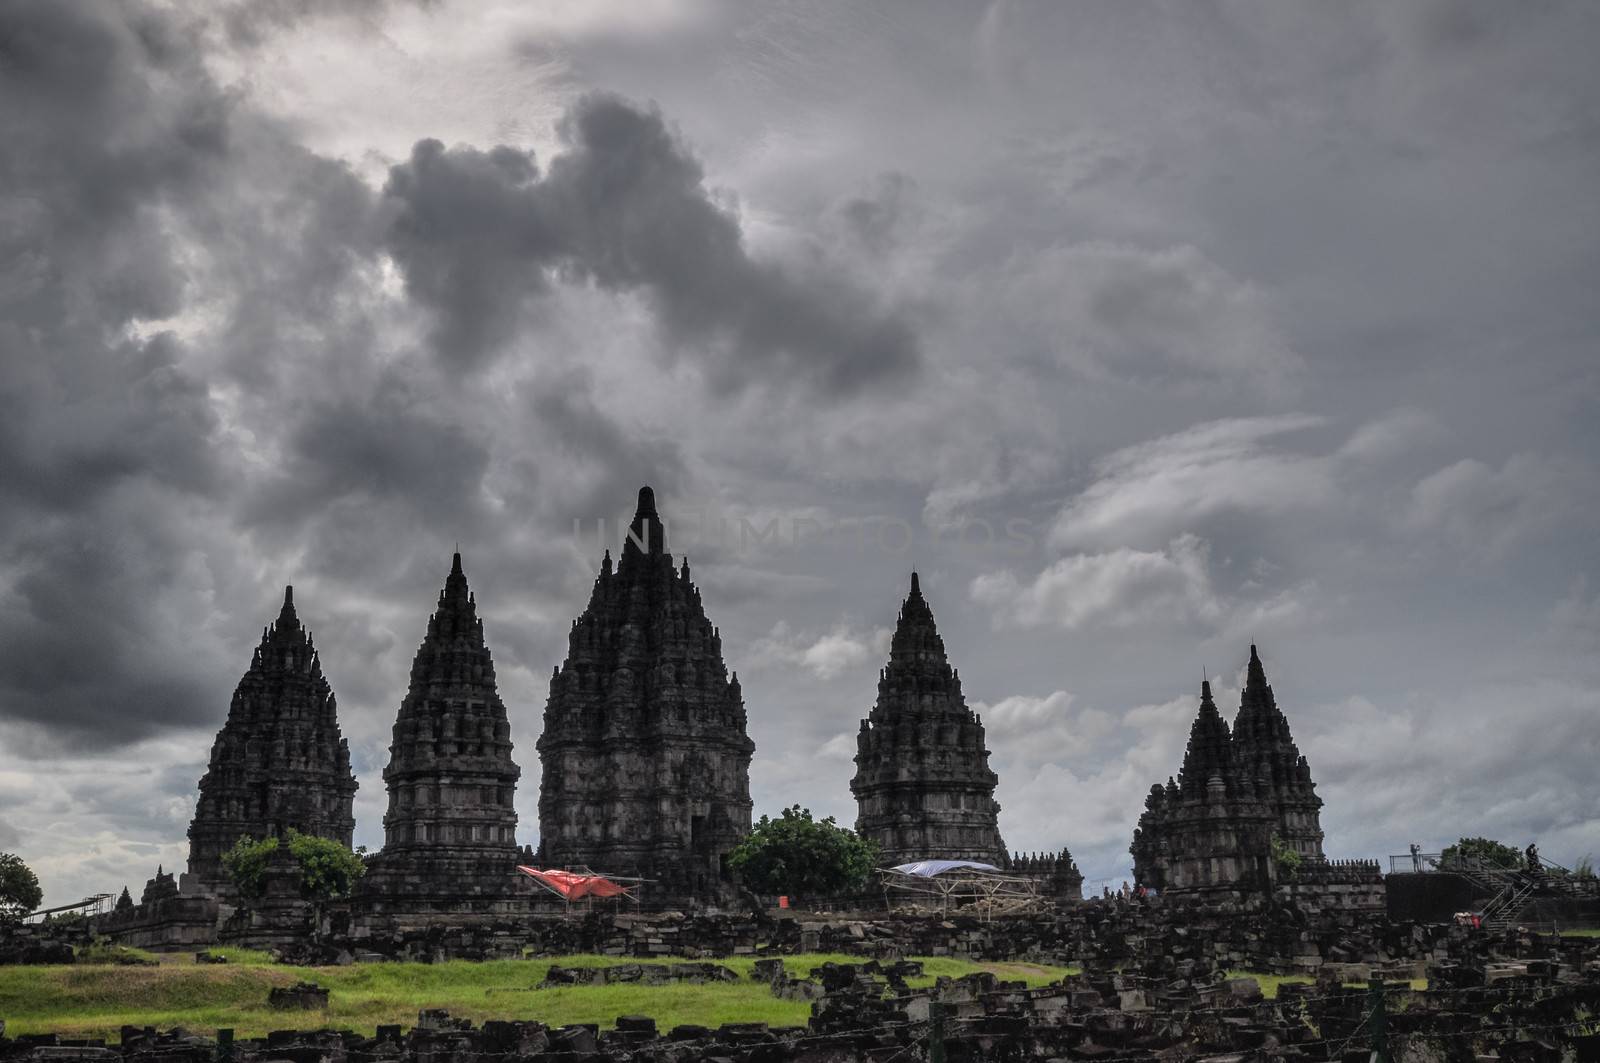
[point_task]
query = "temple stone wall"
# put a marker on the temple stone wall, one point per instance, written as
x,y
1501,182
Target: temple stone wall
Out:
x,y
1059,878
923,786
163,920
645,756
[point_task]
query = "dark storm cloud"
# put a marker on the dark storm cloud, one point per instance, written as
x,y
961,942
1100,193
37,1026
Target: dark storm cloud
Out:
x,y
108,122
625,207
376,450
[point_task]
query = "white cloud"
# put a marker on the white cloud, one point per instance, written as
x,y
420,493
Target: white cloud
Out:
x,y
1166,485
1119,588
827,655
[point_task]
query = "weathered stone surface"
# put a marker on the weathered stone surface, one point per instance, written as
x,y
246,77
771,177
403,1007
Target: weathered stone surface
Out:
x,y
450,831
1058,874
1264,751
1213,827
302,996
279,762
1209,829
646,761
923,786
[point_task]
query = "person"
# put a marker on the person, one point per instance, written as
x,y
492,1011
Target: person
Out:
x,y
1416,857
1535,865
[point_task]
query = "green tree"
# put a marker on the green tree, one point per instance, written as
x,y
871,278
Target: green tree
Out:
x,y
246,863
1286,859
797,855
327,868
1486,849
19,888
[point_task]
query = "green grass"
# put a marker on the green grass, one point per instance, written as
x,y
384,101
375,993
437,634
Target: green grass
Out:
x,y
1269,983
1580,933
95,1000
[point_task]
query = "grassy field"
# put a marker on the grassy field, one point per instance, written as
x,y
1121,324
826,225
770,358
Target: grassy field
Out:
x,y
95,1000
1580,933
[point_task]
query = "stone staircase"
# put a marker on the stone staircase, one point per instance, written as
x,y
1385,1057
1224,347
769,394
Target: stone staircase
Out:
x,y
1511,888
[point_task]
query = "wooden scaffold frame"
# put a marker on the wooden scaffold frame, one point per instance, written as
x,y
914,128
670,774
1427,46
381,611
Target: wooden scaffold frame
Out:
x,y
960,886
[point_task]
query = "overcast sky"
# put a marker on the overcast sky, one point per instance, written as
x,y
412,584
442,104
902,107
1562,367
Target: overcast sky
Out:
x,y
1143,331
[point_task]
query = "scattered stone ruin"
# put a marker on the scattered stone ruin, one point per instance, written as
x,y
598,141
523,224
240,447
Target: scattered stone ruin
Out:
x,y
1156,983
645,754
450,846
923,785
278,764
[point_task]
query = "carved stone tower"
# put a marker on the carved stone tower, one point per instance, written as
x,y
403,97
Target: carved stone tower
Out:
x,y
1264,751
450,831
1210,829
923,786
645,757
278,762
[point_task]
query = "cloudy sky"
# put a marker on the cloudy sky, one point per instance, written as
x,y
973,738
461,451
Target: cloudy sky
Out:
x,y
1143,331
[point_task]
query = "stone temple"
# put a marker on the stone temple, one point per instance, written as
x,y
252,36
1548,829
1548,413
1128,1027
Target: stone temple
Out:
x,y
450,831
1212,828
923,786
646,762
1265,750
279,762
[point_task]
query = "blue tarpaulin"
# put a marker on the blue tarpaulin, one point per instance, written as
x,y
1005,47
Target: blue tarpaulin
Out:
x,y
929,868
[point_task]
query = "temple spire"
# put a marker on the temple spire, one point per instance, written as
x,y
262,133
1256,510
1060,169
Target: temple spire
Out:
x,y
1209,753
644,754
288,620
455,584
923,785
1266,755
279,760
646,534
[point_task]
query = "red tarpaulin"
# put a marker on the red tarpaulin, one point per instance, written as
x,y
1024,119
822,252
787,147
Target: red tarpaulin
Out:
x,y
572,885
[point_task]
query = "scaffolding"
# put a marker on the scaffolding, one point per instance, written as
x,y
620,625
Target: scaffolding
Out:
x,y
960,887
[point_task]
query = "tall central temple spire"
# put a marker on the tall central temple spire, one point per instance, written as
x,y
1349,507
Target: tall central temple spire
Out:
x,y
279,762
923,786
646,763
451,824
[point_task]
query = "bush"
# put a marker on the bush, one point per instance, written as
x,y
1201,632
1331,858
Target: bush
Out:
x,y
327,868
1286,859
1486,849
800,856
19,888
246,863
